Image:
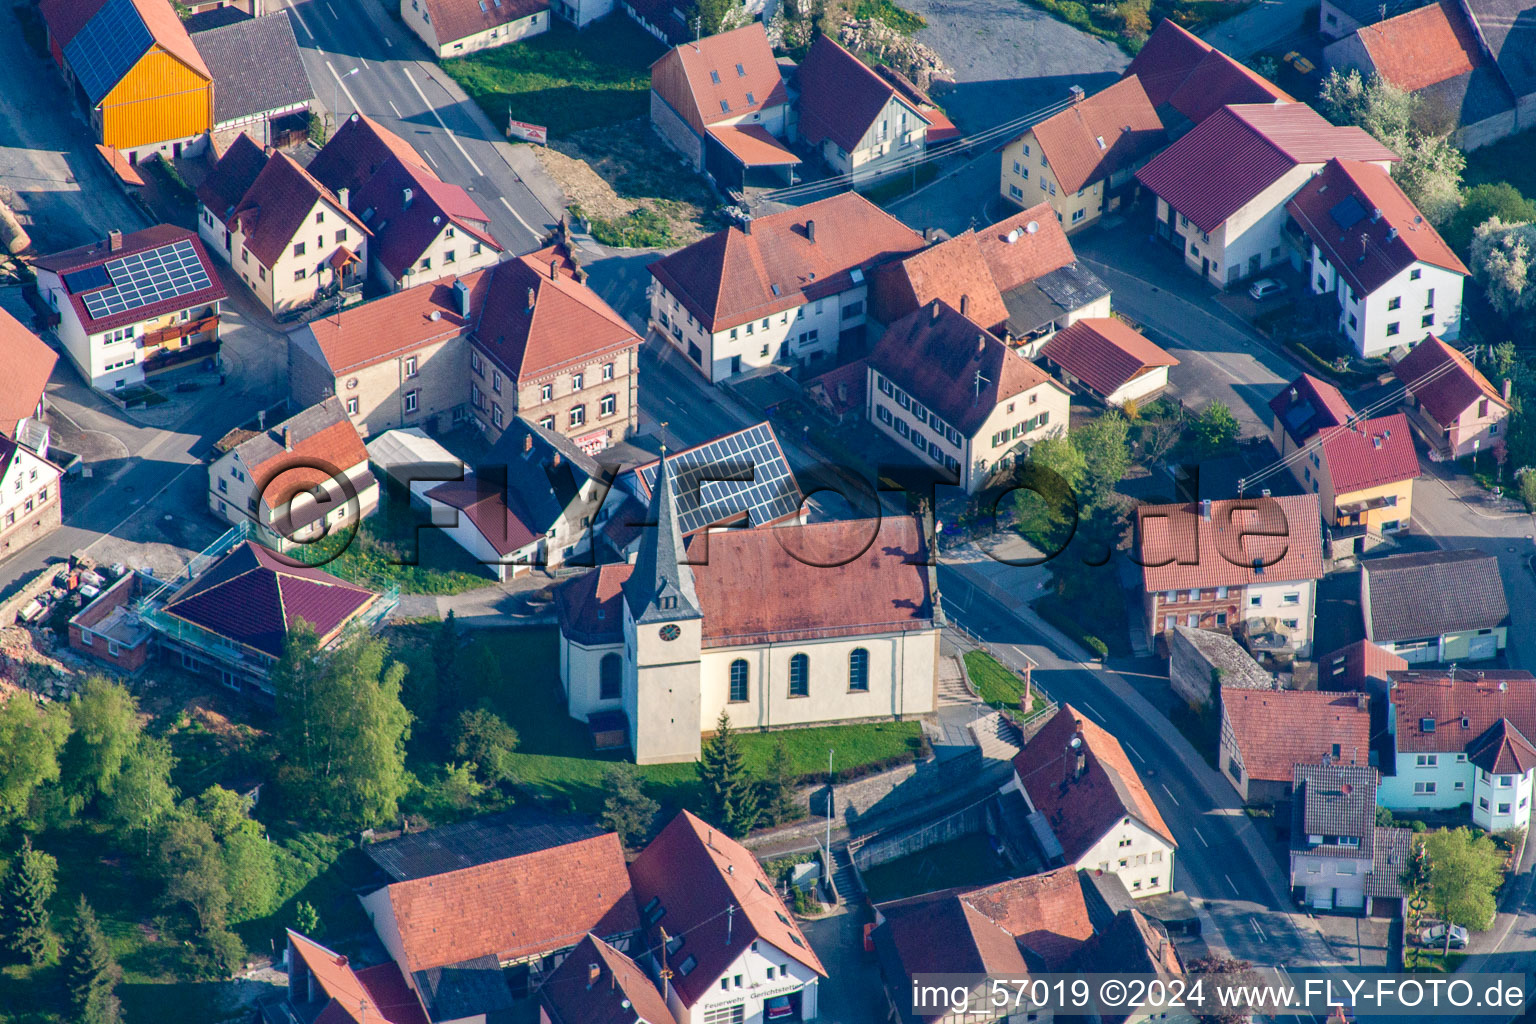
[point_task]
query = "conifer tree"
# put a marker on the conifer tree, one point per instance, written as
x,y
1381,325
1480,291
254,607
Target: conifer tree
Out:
x,y
730,792
91,973
29,886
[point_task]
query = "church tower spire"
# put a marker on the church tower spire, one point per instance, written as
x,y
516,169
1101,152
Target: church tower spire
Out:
x,y
660,589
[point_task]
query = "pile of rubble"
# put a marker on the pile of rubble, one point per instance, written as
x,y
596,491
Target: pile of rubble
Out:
x,y
877,40
28,662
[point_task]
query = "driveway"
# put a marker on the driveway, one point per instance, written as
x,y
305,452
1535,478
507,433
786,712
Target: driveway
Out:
x,y
852,993
1268,25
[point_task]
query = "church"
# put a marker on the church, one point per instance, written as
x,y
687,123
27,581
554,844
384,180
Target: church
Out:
x,y
777,626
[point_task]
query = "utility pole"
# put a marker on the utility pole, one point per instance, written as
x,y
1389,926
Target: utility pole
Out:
x,y
829,808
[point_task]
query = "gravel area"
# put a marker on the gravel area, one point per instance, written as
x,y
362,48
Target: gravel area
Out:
x,y
1010,58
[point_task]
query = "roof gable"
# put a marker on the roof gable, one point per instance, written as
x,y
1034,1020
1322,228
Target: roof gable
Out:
x,y
1428,593
1370,453
407,208
359,150
1445,711
391,325
596,984
1105,353
727,75
278,204
953,270
1421,47
232,177
458,19
127,287
1444,381
1185,73
1277,729
257,66
1508,28
375,994
1046,913
103,41
1308,405
841,96
28,363
1099,135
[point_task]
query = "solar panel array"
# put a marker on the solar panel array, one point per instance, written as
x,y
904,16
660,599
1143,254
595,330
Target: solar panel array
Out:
x,y
764,489
146,278
110,43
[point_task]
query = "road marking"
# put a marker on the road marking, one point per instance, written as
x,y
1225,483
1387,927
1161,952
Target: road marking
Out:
x,y
429,158
332,10
1170,794
519,217
147,502
296,14
439,118
365,61
395,109
1202,837
1235,890
1255,922
1136,753
1094,710
345,91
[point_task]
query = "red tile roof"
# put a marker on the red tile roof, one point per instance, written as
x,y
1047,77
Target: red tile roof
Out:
x,y
484,502
1502,750
1228,159
1444,380
935,353
375,995
1373,249
753,145
776,584
323,442
457,19
1105,353
1308,405
1180,69
619,992
734,276
277,205
953,270
126,172
1358,663
1421,47
517,907
1104,133
28,364
1284,535
253,597
232,177
1046,912
1275,730
1017,259
695,872
358,151
404,227
841,97
1479,699
940,932
1369,454
97,254
697,77
569,324
1083,810
396,324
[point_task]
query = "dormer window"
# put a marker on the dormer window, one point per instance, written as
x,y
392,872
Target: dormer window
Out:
x,y
1314,840
1349,840
1426,725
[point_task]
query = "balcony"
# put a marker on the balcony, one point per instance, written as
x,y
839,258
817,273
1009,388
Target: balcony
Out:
x,y
179,331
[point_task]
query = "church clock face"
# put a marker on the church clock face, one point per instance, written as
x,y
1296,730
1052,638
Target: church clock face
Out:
x,y
670,632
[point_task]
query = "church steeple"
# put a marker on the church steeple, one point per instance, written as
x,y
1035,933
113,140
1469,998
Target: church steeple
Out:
x,y
660,589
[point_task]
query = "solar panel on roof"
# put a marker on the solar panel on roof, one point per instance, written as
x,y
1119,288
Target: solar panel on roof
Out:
x,y
145,278
758,480
110,43
1347,212
86,280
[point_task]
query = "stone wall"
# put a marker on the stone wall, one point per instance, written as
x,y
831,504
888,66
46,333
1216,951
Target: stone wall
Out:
x,y
964,822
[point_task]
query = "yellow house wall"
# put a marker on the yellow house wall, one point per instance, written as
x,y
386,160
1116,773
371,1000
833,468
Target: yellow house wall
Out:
x,y
1038,182
1401,512
160,98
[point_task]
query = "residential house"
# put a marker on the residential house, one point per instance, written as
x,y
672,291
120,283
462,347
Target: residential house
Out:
x,y
1187,79
480,912
1019,278
31,499
529,504
1359,666
109,628
1467,63
133,304
229,617
1080,160
1368,246
1111,359
722,103
1340,858
859,123
781,289
1132,943
1088,808
298,481
324,986
413,462
660,647
525,338
596,984
292,240
1267,733
1450,402
1038,922
260,85
135,68
1238,565
967,403
1461,739
29,364
1201,662
1428,606
1362,470
455,28
423,227
712,917
1222,188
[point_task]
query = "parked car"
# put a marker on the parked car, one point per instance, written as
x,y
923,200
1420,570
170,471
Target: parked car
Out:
x,y
1265,287
1434,935
778,1008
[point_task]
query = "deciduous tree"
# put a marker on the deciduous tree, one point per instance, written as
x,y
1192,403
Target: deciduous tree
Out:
x,y
142,793
1464,871
730,793
1215,429
1105,447
193,870
31,736
1502,263
627,810
485,739
91,973
104,727
1047,512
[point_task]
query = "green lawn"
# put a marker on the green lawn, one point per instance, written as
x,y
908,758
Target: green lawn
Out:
x,y
967,861
997,683
555,756
564,79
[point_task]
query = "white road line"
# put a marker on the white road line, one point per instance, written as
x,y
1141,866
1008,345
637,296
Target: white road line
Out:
x,y
296,14
1201,836
1134,752
345,91
1170,794
147,503
364,60
439,118
519,217
1096,713
1235,890
1257,929
429,159
332,10
395,109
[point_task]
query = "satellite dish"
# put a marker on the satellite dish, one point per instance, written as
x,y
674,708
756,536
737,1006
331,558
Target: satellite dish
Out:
x,y
1032,227
1077,741
1013,236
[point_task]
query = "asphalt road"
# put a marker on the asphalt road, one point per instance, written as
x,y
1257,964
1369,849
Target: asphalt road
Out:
x,y
396,83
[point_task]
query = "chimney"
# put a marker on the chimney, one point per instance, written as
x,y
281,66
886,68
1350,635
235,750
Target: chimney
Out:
x,y
406,195
1365,242
343,195
554,269
965,305
461,298
114,240
981,345
746,225
1392,234
1362,701
935,311
287,440
1507,388
594,973
1375,214
842,391
528,442
1077,755
1205,509
1076,94
530,300
810,231
1293,394
554,460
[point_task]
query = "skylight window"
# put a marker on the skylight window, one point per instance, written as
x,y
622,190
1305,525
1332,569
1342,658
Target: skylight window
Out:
x,y
686,967
751,99
714,76
741,72
725,107
796,940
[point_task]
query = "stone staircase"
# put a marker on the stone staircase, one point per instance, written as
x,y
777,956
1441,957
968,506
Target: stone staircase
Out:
x,y
952,689
844,879
997,737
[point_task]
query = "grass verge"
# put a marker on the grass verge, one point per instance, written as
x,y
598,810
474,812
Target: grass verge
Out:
x,y
997,683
